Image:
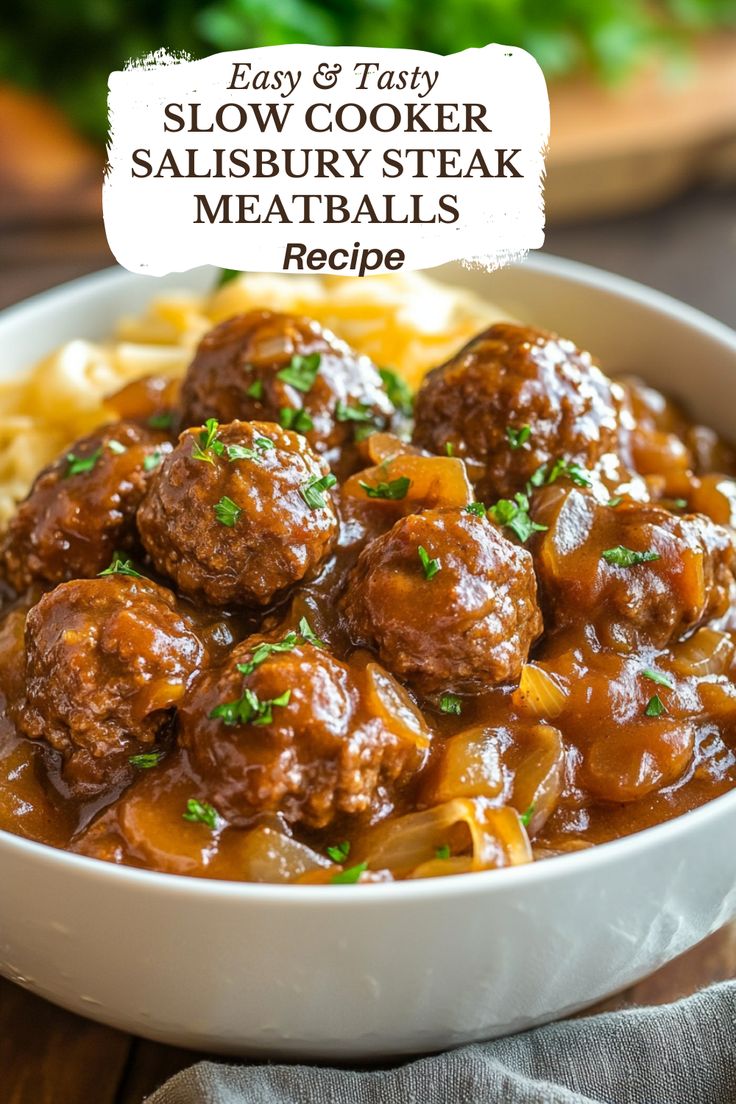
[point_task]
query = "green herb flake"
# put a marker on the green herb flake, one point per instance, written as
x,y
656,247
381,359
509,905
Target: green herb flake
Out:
x,y
308,635
312,494
152,461
476,508
147,759
360,413
338,852
627,557
78,465
242,452
450,703
442,852
121,566
659,677
255,391
298,420
397,390
514,515
208,445
655,707
614,502
116,447
449,448
227,512
431,567
349,876
301,372
162,420
517,438
393,490
526,817
199,812
248,709
560,469
264,650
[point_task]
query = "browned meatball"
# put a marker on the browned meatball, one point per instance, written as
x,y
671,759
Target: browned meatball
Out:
x,y
239,513
107,661
513,399
282,368
81,509
300,733
640,573
446,601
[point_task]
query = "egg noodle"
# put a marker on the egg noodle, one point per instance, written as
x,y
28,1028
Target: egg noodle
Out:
x,y
406,322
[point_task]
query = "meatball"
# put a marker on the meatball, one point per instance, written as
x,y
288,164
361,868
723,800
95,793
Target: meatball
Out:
x,y
107,660
238,513
446,601
296,731
516,398
81,509
282,368
640,573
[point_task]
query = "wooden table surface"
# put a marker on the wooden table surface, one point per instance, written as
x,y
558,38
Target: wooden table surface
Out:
x,y
48,1056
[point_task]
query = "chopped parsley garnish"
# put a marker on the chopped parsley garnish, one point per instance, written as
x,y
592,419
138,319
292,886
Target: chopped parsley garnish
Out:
x,y
226,275
312,494
627,557
199,812
360,413
431,567
301,372
615,501
152,460
338,852
242,452
561,468
116,447
208,445
514,515
655,707
449,448
517,438
309,636
397,391
476,508
450,703
162,420
659,677
78,465
248,709
255,390
394,489
121,566
146,759
227,512
266,649
298,420
349,876
526,817
442,852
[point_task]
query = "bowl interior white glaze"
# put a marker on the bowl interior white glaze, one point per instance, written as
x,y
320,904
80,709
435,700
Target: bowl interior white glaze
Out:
x,y
346,972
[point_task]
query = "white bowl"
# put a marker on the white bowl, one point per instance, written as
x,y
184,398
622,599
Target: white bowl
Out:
x,y
346,972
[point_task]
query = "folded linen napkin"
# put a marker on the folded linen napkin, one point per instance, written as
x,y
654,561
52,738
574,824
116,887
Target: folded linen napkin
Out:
x,y
683,1053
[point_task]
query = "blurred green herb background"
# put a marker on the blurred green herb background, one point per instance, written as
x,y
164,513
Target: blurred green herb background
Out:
x,y
67,50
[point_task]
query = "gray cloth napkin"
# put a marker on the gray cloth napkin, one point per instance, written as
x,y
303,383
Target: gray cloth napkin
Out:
x,y
682,1053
